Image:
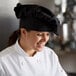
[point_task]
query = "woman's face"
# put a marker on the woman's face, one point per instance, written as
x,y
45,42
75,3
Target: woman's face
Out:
x,y
35,40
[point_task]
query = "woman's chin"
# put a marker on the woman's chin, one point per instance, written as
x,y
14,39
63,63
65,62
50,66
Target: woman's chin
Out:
x,y
39,49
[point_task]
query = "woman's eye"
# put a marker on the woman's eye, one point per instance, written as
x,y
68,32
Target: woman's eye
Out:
x,y
48,34
39,34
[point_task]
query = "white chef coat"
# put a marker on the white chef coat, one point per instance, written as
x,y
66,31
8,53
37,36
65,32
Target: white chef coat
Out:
x,y
15,62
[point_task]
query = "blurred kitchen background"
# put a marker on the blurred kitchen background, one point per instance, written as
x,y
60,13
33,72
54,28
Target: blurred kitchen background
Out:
x,y
64,44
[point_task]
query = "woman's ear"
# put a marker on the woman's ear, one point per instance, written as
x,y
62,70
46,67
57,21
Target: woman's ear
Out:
x,y
23,31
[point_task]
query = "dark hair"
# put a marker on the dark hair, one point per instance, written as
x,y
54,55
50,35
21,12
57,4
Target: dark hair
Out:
x,y
13,37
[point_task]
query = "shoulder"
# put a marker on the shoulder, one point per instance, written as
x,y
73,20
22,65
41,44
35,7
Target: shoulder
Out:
x,y
50,52
6,52
7,56
4,57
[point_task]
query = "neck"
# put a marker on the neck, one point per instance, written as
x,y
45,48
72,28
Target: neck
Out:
x,y
26,49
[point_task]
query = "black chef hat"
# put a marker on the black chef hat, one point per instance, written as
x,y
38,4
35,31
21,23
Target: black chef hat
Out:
x,y
36,17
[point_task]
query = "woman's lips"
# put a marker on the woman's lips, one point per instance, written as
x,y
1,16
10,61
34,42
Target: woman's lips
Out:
x,y
41,45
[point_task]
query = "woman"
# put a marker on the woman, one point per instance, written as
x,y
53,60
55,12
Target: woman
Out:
x,y
27,54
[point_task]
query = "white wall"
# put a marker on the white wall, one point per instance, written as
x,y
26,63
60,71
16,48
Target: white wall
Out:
x,y
8,21
47,3
6,7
